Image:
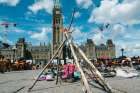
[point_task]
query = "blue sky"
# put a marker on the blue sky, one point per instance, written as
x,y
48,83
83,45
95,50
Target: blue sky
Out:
x,y
34,21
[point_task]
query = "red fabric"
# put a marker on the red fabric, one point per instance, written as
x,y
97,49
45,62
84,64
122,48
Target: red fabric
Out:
x,y
68,70
71,68
65,72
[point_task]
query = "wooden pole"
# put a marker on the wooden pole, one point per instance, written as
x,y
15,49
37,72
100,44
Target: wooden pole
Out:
x,y
47,64
78,65
108,88
57,70
58,66
81,71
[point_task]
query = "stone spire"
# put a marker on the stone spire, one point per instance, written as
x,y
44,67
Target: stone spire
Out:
x,y
57,4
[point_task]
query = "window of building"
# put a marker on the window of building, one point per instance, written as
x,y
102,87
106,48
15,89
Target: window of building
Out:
x,y
46,50
57,21
57,29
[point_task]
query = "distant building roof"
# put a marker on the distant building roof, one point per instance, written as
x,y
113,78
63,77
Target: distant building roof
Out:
x,y
90,41
21,40
109,42
101,47
39,48
4,45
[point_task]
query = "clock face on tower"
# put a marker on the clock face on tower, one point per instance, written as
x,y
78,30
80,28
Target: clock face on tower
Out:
x,y
57,12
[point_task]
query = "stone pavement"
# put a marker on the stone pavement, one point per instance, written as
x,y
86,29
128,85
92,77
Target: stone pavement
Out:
x,y
20,81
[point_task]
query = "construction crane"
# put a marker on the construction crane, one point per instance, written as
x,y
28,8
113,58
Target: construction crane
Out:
x,y
6,25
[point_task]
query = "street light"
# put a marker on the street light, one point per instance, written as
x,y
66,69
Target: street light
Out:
x,y
14,54
122,50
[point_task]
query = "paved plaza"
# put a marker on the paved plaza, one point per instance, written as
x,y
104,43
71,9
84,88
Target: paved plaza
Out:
x,y
20,81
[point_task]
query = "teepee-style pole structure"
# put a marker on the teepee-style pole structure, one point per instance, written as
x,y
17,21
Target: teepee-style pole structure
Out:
x,y
68,39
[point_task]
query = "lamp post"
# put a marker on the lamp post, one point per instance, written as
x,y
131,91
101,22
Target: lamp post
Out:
x,y
14,53
122,50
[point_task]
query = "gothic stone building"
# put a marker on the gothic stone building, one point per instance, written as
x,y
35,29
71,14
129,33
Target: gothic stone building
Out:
x,y
90,49
14,51
101,51
38,54
106,51
8,53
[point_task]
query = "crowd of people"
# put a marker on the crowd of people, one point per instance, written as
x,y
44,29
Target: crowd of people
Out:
x,y
69,70
6,65
118,62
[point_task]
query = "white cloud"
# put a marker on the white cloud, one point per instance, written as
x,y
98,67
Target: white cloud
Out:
x,y
129,41
47,5
122,38
130,49
80,37
42,36
78,34
121,16
111,11
117,30
8,41
84,3
77,15
98,38
19,30
10,2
